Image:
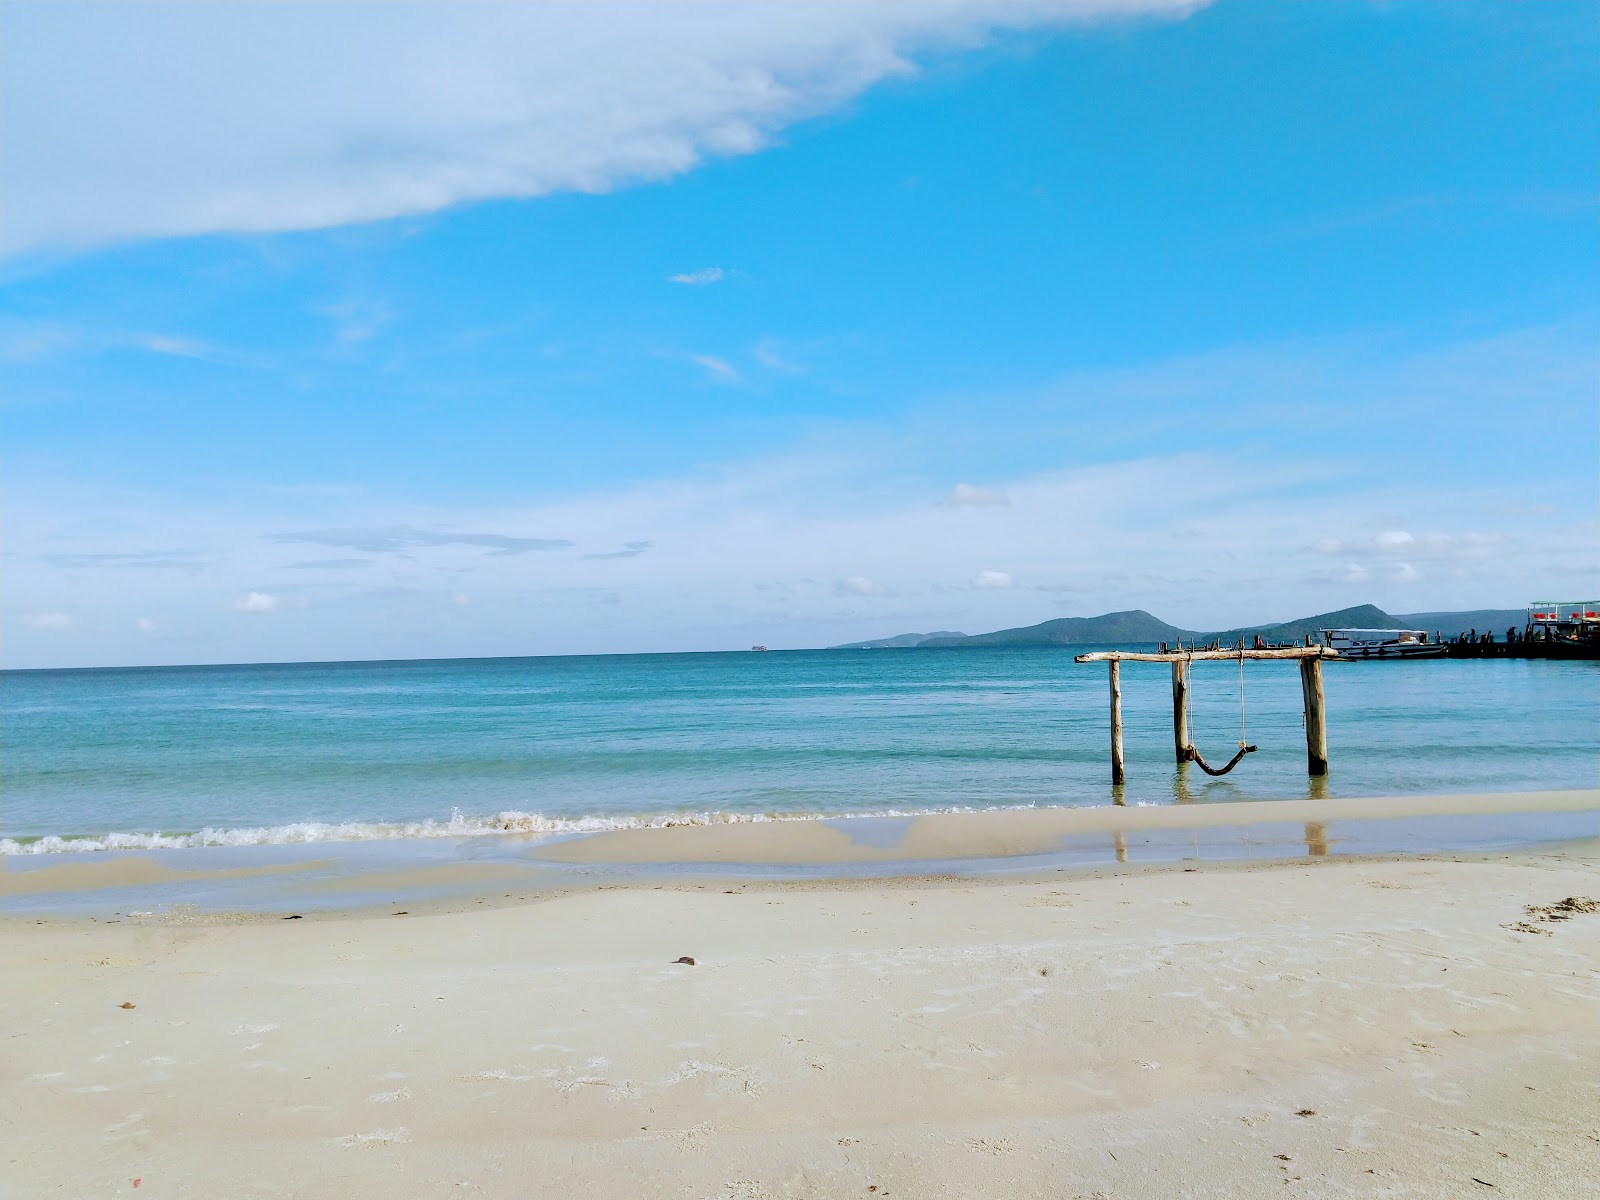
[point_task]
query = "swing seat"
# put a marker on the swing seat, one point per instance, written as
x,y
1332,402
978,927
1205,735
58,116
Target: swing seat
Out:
x,y
1194,757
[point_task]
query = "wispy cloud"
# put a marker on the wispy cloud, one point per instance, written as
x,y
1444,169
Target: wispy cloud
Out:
x,y
176,347
777,356
1389,542
356,319
698,278
22,342
258,602
629,550
328,564
967,495
50,622
188,560
719,369
391,539
844,525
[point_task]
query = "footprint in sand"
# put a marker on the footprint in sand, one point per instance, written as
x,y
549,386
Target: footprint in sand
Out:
x,y
376,1138
992,1145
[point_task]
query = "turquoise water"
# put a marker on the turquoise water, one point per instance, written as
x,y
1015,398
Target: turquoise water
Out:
x,y
287,753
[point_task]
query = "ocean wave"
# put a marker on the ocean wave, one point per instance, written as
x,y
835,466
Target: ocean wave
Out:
x,y
459,825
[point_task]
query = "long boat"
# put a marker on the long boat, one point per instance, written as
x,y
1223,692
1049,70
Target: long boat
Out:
x,y
1382,643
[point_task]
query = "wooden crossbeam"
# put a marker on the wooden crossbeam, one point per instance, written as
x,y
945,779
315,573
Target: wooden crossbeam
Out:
x,y
1196,655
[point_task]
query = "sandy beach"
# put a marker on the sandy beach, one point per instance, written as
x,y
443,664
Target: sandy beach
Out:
x,y
1343,1026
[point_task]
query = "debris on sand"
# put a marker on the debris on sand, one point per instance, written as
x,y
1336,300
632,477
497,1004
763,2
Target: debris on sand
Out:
x,y
685,960
1563,910
1524,927
127,1004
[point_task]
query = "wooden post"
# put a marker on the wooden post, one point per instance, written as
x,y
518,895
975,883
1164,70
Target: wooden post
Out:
x,y
1316,721
1180,709
1117,773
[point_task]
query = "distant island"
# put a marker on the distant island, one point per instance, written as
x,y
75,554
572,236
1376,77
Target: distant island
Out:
x,y
1136,625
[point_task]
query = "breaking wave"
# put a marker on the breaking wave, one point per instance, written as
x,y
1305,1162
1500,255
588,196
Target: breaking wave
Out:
x,y
458,825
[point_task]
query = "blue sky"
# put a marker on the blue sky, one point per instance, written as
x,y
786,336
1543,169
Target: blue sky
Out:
x,y
347,331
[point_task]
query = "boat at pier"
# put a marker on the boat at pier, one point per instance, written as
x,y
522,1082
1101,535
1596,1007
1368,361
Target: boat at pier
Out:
x,y
1382,643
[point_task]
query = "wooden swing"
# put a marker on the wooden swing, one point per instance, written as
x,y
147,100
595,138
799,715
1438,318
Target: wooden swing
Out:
x,y
1310,659
1190,754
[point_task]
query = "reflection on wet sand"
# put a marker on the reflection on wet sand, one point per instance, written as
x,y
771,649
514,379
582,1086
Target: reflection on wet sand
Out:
x,y
1316,839
1121,843
1180,786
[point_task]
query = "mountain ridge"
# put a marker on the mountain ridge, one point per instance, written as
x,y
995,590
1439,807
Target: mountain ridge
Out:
x,y
1137,625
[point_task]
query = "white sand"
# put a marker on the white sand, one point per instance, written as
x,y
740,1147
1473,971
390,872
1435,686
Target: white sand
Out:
x,y
1147,1034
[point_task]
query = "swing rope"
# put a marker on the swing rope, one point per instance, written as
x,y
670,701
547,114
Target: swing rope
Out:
x,y
1244,747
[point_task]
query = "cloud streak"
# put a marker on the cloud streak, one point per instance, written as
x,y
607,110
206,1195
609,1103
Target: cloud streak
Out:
x,y
698,278
966,495
396,539
186,560
629,550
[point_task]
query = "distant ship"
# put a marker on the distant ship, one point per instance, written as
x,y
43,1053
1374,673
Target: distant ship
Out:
x,y
758,647
1382,643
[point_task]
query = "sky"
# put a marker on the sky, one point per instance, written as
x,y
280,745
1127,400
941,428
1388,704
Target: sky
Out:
x,y
373,330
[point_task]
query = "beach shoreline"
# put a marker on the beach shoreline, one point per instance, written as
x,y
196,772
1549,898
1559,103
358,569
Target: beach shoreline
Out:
x,y
318,876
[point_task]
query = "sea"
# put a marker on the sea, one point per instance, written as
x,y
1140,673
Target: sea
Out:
x,y
174,757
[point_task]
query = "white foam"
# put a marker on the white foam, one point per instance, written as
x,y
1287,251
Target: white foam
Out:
x,y
458,825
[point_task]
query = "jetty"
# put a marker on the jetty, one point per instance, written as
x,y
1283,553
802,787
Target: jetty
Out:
x,y
1554,629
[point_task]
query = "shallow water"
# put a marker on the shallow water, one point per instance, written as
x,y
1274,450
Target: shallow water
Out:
x,y
285,753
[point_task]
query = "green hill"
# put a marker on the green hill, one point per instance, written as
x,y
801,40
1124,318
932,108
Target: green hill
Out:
x,y
1362,616
1135,625
899,641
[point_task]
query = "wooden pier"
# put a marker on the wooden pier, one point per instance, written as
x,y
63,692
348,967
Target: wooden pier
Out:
x,y
1309,657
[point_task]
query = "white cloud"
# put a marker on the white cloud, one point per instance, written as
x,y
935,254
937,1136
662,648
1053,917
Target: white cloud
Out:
x,y
1347,575
145,625
859,585
967,495
698,278
461,600
1468,544
1405,573
51,622
257,602
991,580
125,121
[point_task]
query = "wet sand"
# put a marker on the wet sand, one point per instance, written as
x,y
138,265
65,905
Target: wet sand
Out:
x,y
1017,832
1345,1026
